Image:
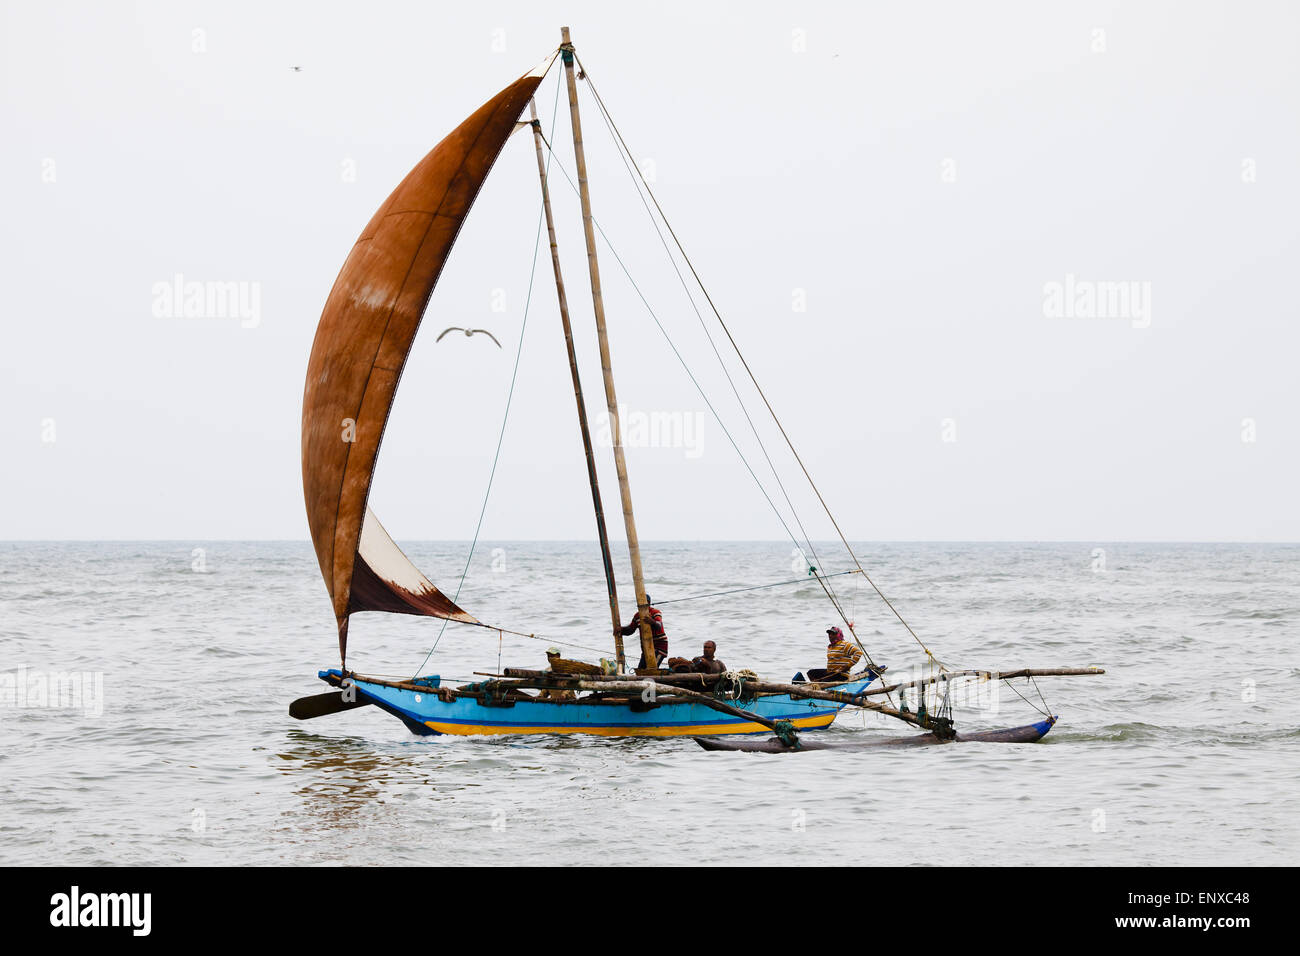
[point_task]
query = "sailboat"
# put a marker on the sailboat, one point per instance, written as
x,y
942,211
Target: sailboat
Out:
x,y
362,342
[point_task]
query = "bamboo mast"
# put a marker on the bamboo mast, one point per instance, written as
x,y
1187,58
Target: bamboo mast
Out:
x,y
598,304
577,394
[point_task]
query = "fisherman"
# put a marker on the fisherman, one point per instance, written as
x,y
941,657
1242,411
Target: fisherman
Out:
x,y
551,693
707,663
657,632
841,658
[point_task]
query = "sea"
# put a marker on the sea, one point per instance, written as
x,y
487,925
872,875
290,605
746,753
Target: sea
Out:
x,y
145,687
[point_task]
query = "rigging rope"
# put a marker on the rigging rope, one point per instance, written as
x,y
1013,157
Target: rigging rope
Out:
x,y
630,165
1034,684
602,650
627,273
633,173
756,587
1045,711
685,367
759,389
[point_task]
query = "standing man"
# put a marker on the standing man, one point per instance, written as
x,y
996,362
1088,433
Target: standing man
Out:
x,y
656,632
841,658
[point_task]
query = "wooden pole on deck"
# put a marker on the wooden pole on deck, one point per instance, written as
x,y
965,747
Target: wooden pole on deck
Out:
x,y
577,394
598,305
639,686
990,675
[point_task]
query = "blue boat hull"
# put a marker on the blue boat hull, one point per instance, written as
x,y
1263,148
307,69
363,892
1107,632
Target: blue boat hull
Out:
x,y
424,712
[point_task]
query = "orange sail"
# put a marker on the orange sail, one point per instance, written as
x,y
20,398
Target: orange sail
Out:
x,y
362,341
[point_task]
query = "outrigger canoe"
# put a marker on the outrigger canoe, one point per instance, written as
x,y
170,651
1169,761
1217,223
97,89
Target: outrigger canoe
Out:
x,y
364,337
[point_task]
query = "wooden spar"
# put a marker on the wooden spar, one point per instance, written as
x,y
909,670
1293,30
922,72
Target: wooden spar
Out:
x,y
607,684
705,680
992,675
577,394
794,690
688,680
856,700
835,696
640,686
668,684
598,305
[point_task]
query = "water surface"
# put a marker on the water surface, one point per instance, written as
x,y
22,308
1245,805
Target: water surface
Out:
x,y
1184,753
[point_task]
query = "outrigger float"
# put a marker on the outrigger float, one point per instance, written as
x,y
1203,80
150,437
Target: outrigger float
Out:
x,y
365,334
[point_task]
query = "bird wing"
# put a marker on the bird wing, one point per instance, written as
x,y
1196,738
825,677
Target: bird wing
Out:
x,y
488,334
454,328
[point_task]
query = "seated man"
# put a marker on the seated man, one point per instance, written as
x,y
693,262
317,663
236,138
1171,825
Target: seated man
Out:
x,y
707,663
841,658
549,693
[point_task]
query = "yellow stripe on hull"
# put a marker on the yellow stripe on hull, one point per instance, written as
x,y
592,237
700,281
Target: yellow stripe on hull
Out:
x,y
693,730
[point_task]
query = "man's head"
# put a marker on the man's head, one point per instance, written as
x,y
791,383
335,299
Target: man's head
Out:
x,y
834,635
552,653
709,650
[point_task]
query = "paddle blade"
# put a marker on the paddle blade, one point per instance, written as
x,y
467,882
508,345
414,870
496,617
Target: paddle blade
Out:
x,y
318,705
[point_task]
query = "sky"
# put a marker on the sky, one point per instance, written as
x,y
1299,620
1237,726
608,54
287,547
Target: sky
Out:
x,y
1005,271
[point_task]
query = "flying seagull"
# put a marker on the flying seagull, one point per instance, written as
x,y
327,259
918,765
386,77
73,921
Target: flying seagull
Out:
x,y
296,69
468,333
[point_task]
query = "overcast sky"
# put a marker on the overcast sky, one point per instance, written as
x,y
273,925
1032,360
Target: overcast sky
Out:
x,y
1011,271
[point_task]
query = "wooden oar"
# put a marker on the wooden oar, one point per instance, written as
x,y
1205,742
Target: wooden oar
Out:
x,y
318,705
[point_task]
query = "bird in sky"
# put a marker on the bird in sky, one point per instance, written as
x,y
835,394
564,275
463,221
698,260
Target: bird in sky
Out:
x,y
468,333
296,69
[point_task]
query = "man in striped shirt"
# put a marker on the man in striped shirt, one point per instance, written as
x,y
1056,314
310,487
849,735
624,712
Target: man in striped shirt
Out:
x,y
841,658
657,633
